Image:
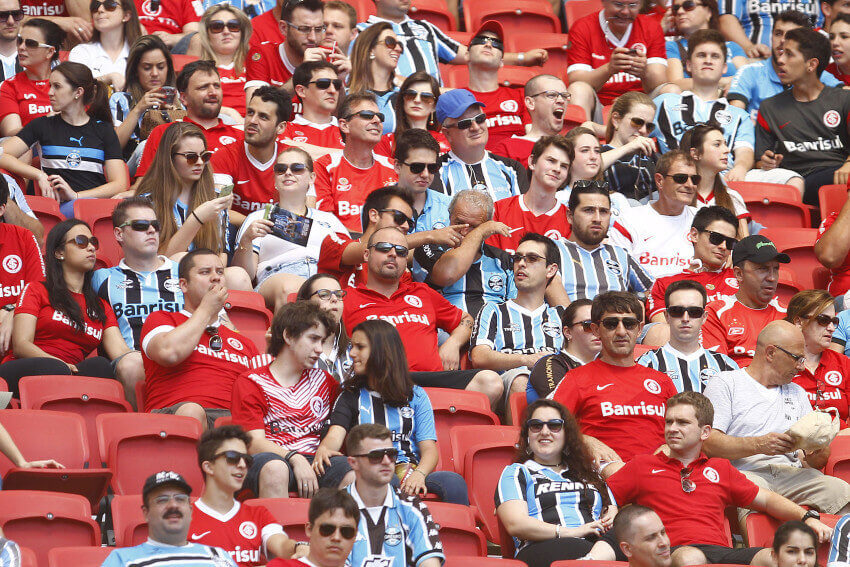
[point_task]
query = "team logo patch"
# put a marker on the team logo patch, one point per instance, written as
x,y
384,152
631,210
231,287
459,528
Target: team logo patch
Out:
x,y
496,283
652,386
552,329
256,57
711,475
172,285
831,119
734,331
12,263
317,404
613,267
392,536
248,530
377,561
709,287
509,106
300,139
413,300
731,282
343,184
553,234
640,48
707,374
224,140
438,225
234,343
406,412
833,378
723,117
673,374
147,8
73,159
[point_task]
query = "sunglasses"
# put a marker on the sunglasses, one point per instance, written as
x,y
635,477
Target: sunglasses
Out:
x,y
677,311
611,323
31,43
108,5
798,358
325,84
682,178
687,6
217,26
823,319
391,43
536,425
487,40
418,167
233,457
688,485
307,29
142,225
327,293
639,122
530,258
347,532
216,343
410,95
193,157
366,115
377,456
295,168
715,238
16,15
585,325
466,123
587,183
385,247
82,241
399,218
553,95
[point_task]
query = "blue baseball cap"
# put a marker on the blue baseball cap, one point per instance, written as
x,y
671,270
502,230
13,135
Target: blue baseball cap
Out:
x,y
454,103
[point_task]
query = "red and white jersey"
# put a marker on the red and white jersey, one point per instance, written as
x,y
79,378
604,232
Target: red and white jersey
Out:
x,y
266,29
28,99
233,88
253,182
506,113
323,135
20,262
268,64
386,147
659,242
621,406
732,328
217,137
828,386
168,15
513,212
591,45
515,147
716,284
293,416
839,278
41,8
242,532
205,377
342,188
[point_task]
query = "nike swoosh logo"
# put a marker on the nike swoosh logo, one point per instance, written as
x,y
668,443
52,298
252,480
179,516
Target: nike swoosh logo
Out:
x,y
781,126
657,470
196,537
243,182
600,388
362,305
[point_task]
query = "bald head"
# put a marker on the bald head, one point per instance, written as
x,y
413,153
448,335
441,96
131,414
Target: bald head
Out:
x,y
780,333
389,234
780,354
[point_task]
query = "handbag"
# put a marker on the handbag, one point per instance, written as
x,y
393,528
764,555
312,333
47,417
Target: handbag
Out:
x,y
814,431
156,117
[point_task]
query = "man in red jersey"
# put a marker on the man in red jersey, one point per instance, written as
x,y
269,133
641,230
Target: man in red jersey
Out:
x,y
546,100
284,406
266,27
713,233
690,491
249,167
416,311
618,403
250,534
733,322
170,20
316,128
614,51
343,180
832,249
200,92
192,357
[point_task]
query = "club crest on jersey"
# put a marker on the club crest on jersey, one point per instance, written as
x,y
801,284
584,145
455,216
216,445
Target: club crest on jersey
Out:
x,y
711,475
833,378
673,374
234,343
735,331
831,119
496,283
147,8
552,329
248,530
317,404
640,48
413,301
172,285
343,184
652,386
225,140
73,159
731,282
406,412
12,264
392,536
613,267
553,234
509,106
723,117
707,374
256,57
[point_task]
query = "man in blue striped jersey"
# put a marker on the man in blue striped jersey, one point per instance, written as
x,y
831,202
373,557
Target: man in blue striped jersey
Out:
x,y
682,358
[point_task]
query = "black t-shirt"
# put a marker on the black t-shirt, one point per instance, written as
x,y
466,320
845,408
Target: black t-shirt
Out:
x,y
549,371
77,153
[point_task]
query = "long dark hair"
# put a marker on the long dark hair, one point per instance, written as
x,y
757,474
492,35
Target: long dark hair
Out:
x,y
386,370
137,51
694,139
94,92
401,121
361,65
57,289
132,29
304,294
573,455
786,530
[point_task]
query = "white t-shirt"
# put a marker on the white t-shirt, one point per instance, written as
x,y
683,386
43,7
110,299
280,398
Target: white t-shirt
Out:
x,y
93,56
744,407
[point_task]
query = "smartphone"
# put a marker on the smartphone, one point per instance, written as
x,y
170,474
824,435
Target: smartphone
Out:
x,y
170,94
633,51
332,50
226,190
778,148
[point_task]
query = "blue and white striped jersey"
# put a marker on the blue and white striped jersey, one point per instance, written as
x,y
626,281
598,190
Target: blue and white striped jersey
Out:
x,y
586,274
839,551
10,553
501,177
758,18
689,372
513,329
154,554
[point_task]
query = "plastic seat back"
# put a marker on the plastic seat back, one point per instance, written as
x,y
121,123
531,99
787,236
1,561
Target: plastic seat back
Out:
x,y
831,198
128,520
92,556
798,243
247,311
456,408
470,561
98,213
761,528
434,11
576,563
516,16
577,9
46,211
518,402
838,464
757,190
291,513
458,533
555,45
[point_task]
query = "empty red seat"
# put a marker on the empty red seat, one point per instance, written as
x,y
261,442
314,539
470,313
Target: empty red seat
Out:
x,y
456,408
291,513
788,285
518,402
92,556
798,243
98,213
756,190
458,534
248,313
434,11
46,211
838,463
577,9
761,528
516,16
555,45
831,198
128,520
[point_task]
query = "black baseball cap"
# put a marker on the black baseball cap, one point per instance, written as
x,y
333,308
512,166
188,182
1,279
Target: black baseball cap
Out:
x,y
164,478
758,249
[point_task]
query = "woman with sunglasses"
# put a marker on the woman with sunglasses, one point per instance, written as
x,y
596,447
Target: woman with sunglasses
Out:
x,y
630,153
826,375
25,96
414,108
325,291
374,58
60,321
381,388
116,28
576,509
81,158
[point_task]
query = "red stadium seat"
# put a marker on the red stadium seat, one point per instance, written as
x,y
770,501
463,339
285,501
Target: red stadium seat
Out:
x,y
66,443
458,533
460,36
83,395
247,311
838,464
574,115
831,198
78,556
140,396
434,11
513,76
798,244
518,402
575,563
761,527
788,285
577,9
128,520
640,350
44,520
456,408
777,213
821,277
467,561
364,8
554,43
138,445
98,213
291,513
28,557
755,190
180,61
46,210
516,16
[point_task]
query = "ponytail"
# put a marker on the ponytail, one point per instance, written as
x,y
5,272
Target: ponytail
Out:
x,y
94,92
97,105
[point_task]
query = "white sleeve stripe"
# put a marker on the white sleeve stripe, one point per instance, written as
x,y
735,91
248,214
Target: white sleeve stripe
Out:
x,y
579,67
655,61
154,332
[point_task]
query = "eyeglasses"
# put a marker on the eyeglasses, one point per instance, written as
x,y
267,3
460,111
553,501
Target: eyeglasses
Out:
x,y
629,323
325,84
82,241
193,157
530,258
391,43
553,95
366,115
217,26
399,218
587,183
585,325
823,319
307,29
216,343
715,238
142,225
385,247
31,43
536,425
677,311
295,168
377,456
632,6
798,358
488,40
466,123
640,122
108,5
410,95
233,457
687,6
682,178
419,167
327,293
164,499
16,15
347,532
688,485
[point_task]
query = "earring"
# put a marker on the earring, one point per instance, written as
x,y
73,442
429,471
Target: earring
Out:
x,y
371,56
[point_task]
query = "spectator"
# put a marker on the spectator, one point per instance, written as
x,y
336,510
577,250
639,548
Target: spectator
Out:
x,y
753,409
795,542
682,358
71,170
749,26
9,30
546,100
415,109
266,26
830,9
627,419
380,390
24,96
340,20
324,290
838,549
285,405
141,283
612,52
553,481
839,34
116,28
168,513
826,373
374,58
192,357
344,179
171,21
251,8
315,128
630,154
733,322
656,233
469,165
695,520
217,518
642,537
832,249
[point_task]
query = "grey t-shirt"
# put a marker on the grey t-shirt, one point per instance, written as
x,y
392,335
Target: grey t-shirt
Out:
x,y
746,408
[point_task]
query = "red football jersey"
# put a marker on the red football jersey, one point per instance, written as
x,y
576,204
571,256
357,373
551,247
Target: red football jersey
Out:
x,y
253,182
218,136
242,532
386,147
168,15
415,310
591,45
21,262
233,88
717,284
836,72
205,377
732,328
515,147
506,113
293,417
621,406
513,212
41,8
268,64
28,99
342,188
322,135
266,29
839,278
828,386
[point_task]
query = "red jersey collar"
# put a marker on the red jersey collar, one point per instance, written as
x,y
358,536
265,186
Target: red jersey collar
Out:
x,y
403,287
702,459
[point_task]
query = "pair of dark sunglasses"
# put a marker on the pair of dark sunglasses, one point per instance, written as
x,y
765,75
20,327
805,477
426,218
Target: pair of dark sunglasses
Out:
x,y
385,247
587,183
366,115
142,225
823,319
466,123
715,238
233,458
217,26
194,157
377,456
418,167
536,425
687,6
487,40
31,43
611,323
347,532
530,258
328,293
638,122
325,84
586,325
16,15
391,43
410,95
216,344
108,5
677,311
295,168
682,178
399,218
82,241
688,485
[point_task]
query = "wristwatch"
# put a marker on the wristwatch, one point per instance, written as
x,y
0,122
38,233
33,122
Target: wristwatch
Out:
x,y
810,514
9,307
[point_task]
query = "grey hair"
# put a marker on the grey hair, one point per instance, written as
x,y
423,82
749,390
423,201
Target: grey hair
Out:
x,y
476,198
